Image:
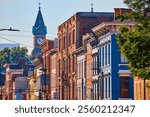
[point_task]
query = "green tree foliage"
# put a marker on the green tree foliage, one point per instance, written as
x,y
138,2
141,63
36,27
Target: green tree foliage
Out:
x,y
135,44
4,55
12,55
138,5
17,53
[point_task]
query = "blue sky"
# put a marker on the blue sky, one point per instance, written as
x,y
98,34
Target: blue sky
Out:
x,y
21,14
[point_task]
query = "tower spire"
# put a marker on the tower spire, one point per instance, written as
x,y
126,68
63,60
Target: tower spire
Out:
x,y
39,26
92,7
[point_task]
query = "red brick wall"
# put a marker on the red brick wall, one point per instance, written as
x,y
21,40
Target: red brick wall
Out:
x,y
86,24
120,11
46,58
81,23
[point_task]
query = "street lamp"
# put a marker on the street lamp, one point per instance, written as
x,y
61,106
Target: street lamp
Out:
x,y
44,71
9,29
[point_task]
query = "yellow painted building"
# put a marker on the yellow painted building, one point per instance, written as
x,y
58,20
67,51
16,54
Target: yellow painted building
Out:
x,y
32,86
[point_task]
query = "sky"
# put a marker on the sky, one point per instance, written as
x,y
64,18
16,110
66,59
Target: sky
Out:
x,y
21,14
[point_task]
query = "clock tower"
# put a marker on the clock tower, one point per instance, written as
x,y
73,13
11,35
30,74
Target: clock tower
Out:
x,y
39,31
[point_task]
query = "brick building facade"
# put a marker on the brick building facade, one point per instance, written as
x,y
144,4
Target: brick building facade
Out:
x,y
16,79
46,46
69,39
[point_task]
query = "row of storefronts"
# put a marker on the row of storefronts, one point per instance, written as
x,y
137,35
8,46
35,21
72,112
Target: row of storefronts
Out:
x,y
83,63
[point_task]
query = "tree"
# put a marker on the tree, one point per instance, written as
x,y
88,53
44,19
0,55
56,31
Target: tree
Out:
x,y
135,44
12,55
4,56
138,5
17,53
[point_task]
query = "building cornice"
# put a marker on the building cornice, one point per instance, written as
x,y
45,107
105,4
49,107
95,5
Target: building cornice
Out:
x,y
114,26
80,50
86,37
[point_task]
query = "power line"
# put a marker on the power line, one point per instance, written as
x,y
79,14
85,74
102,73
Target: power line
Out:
x,y
16,42
27,31
23,36
15,35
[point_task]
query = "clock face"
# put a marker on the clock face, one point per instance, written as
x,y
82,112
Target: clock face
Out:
x,y
39,40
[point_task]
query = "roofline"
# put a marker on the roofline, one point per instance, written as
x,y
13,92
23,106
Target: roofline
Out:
x,y
103,24
82,12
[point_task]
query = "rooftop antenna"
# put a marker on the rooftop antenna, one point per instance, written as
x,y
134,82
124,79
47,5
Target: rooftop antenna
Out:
x,y
92,7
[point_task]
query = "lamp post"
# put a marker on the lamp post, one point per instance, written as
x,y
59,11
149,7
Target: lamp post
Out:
x,y
44,71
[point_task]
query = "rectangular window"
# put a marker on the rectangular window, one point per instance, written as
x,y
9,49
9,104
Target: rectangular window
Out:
x,y
73,37
59,69
81,69
96,91
106,55
92,64
73,66
64,38
103,56
109,53
84,69
96,62
69,64
100,57
59,42
69,39
62,43
52,61
99,84
123,60
106,87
